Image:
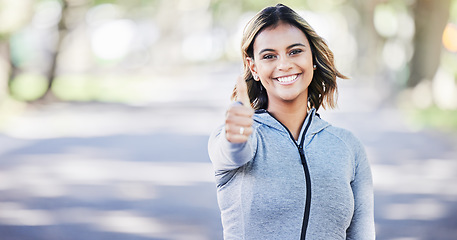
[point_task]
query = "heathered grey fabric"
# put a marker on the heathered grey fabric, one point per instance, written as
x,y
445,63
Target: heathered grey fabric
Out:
x,y
261,186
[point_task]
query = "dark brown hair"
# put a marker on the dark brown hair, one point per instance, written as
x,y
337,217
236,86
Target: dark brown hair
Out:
x,y
322,90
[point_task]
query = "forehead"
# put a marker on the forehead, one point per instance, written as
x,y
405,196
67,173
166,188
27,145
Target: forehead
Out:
x,y
279,37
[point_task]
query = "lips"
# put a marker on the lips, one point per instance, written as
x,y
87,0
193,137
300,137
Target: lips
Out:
x,y
286,80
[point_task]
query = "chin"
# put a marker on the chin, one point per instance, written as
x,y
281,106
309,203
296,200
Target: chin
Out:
x,y
289,98
293,97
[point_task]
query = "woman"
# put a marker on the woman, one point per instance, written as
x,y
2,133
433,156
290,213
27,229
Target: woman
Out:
x,y
281,171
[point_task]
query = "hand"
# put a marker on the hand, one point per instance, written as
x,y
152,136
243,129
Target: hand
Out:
x,y
238,120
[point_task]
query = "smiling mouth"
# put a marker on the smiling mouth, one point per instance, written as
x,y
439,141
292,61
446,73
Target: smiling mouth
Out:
x,y
288,79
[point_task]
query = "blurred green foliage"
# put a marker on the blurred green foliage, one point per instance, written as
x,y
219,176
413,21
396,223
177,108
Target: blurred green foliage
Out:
x,y
434,117
28,86
121,89
453,11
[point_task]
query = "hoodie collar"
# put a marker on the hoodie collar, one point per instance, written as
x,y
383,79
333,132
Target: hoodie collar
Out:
x,y
317,124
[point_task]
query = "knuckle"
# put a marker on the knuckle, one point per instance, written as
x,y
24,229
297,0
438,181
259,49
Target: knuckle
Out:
x,y
229,119
233,109
228,136
247,122
238,108
248,111
228,128
229,111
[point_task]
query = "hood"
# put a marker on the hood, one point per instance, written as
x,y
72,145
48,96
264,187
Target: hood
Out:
x,y
262,116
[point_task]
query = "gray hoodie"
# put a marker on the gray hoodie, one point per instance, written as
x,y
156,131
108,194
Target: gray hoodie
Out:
x,y
273,187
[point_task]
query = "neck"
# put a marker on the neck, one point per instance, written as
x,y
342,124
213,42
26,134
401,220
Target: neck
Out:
x,y
291,114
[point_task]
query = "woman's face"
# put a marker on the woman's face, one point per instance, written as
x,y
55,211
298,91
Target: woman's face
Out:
x,y
284,63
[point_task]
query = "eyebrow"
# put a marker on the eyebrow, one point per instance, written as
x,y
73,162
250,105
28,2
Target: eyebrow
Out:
x,y
289,47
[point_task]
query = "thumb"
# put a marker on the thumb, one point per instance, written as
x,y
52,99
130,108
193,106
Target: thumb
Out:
x,y
242,92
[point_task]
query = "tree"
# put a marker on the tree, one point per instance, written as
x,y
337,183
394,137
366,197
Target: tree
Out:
x,y
430,17
62,33
10,23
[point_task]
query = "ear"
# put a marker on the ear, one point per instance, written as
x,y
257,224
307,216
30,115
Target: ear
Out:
x,y
253,68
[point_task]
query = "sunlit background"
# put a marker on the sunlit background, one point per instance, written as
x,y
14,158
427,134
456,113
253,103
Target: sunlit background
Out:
x,y
106,107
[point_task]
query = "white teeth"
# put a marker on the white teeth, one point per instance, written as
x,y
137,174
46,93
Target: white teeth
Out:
x,y
287,79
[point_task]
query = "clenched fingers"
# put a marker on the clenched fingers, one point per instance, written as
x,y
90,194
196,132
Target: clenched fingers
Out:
x,y
241,121
237,134
240,110
238,123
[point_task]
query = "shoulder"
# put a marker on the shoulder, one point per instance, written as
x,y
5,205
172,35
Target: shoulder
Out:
x,y
342,133
345,136
353,146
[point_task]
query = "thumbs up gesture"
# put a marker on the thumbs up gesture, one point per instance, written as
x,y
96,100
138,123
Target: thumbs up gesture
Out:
x,y
238,120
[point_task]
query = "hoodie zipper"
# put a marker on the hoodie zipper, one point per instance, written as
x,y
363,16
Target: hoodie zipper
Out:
x,y
305,170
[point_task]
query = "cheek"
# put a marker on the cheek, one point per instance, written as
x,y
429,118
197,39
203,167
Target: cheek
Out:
x,y
265,84
307,61
264,69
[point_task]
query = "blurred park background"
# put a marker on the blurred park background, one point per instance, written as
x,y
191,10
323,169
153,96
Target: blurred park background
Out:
x,y
106,107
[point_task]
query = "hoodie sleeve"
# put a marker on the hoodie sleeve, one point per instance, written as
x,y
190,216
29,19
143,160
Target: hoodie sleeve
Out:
x,y
227,156
362,224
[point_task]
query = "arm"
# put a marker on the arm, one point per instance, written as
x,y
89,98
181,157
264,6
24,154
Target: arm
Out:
x,y
362,224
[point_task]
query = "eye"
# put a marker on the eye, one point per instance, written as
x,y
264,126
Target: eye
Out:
x,y
268,56
295,51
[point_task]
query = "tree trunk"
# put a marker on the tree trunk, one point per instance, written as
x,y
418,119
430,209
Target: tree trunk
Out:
x,y
51,73
430,17
367,38
5,69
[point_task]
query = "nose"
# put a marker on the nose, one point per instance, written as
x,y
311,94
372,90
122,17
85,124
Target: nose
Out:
x,y
284,63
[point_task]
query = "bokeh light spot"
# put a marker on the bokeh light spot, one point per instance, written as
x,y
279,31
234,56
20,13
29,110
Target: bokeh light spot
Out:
x,y
111,40
385,20
450,37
